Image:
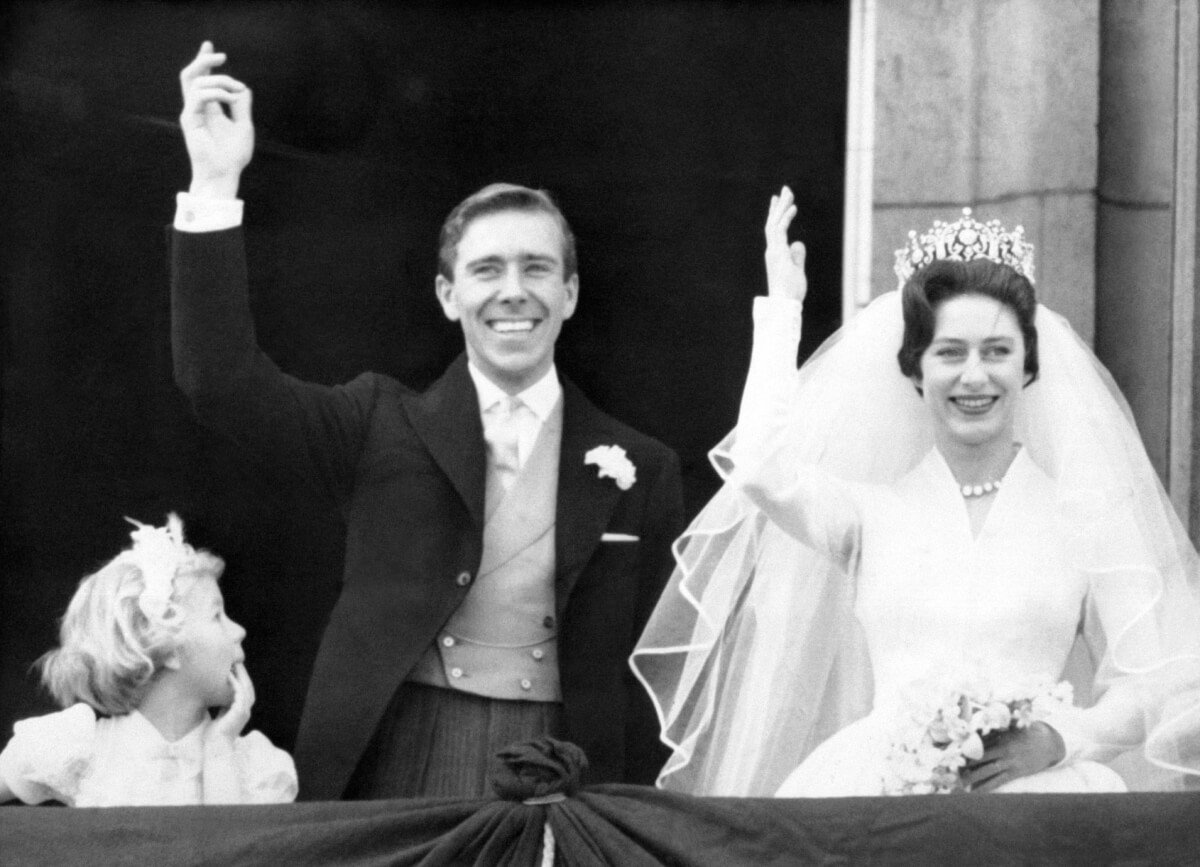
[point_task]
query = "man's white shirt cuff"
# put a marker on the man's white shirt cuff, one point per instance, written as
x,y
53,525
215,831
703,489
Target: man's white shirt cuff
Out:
x,y
194,214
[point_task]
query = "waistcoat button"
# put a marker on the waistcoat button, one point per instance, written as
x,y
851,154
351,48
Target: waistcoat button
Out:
x,y
463,579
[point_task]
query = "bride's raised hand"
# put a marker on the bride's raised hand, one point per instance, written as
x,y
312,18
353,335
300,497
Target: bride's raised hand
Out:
x,y
216,124
785,262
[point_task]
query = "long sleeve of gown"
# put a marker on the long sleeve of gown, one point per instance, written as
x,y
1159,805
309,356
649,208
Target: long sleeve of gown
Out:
x,y
1127,625
810,505
1115,724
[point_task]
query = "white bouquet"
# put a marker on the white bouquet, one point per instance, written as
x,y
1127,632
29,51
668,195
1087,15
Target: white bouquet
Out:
x,y
943,724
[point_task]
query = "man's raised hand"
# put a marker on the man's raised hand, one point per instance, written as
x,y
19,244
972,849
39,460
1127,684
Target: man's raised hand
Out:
x,y
219,144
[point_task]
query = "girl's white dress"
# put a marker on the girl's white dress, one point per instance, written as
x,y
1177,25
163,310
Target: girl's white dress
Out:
x,y
79,759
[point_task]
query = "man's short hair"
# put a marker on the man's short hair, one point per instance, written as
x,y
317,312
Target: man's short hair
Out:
x,y
494,199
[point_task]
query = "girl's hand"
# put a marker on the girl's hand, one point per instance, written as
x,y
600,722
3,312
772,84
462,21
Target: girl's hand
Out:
x,y
1014,754
229,723
219,146
785,264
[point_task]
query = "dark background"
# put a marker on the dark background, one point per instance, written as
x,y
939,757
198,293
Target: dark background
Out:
x,y
662,129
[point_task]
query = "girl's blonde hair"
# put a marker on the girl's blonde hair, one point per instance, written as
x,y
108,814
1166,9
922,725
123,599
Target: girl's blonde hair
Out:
x,y
110,649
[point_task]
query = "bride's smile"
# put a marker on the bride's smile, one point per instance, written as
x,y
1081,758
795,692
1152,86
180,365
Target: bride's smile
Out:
x,y
975,405
973,371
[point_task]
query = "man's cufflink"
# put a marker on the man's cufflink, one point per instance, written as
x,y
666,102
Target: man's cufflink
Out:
x,y
619,537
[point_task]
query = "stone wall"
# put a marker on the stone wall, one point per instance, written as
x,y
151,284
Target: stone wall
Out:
x,y
1078,120
1135,195
991,105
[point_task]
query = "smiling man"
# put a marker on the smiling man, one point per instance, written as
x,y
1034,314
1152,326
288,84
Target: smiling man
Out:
x,y
505,539
508,275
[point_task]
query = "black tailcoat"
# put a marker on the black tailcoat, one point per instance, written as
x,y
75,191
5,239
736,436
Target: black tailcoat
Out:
x,y
406,471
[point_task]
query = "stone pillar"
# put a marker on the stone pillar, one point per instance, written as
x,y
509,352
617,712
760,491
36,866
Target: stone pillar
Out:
x,y
1146,226
990,105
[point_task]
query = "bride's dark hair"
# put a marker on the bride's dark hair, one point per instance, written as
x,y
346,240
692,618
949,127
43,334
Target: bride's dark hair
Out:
x,y
944,279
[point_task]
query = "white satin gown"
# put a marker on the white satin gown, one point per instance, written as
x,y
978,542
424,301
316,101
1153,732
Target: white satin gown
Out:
x,y
932,597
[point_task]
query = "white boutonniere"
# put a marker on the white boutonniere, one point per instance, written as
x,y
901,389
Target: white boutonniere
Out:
x,y
613,464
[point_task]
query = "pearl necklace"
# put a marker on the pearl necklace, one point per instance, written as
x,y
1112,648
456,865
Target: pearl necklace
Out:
x,y
969,491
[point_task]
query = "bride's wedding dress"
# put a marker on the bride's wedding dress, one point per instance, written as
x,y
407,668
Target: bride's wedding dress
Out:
x,y
837,567
933,598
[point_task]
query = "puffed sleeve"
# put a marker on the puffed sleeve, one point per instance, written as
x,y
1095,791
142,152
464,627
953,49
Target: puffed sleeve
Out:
x,y
49,755
267,773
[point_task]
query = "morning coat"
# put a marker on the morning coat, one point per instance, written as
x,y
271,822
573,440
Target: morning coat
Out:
x,y
406,471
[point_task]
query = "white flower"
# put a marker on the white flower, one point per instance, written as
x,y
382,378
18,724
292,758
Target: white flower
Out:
x,y
939,730
972,747
995,716
613,464
157,552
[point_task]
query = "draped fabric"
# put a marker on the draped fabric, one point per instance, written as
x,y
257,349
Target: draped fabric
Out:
x,y
544,817
629,826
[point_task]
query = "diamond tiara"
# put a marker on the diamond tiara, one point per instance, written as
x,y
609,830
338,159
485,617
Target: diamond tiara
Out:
x,y
964,240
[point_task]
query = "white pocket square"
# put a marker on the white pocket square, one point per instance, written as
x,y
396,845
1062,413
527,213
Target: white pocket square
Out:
x,y
619,537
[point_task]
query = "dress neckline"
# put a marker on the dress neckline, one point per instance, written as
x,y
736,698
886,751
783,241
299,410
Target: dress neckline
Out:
x,y
948,488
147,734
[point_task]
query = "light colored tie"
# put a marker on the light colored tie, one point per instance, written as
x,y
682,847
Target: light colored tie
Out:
x,y
503,437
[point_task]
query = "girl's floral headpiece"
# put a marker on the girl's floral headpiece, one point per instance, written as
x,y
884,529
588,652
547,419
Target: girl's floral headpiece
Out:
x,y
158,552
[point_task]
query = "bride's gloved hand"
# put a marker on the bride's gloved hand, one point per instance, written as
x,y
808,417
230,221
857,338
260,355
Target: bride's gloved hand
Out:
x,y
785,263
1012,754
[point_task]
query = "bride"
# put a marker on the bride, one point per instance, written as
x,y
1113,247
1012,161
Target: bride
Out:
x,y
952,487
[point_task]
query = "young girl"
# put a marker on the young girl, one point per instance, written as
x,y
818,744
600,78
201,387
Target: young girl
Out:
x,y
147,649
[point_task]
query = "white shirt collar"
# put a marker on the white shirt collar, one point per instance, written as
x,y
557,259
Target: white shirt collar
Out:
x,y
540,397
